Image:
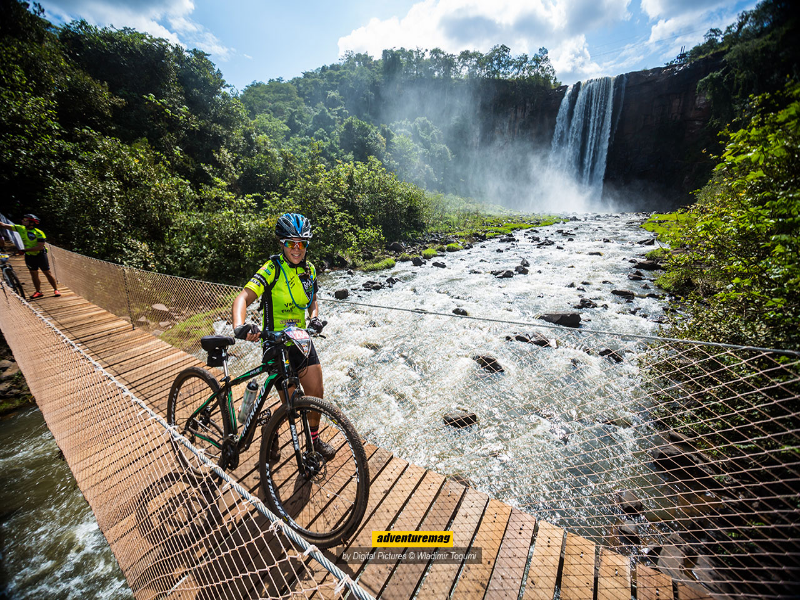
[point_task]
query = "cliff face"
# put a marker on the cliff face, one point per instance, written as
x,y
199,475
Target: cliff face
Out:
x,y
656,149
659,131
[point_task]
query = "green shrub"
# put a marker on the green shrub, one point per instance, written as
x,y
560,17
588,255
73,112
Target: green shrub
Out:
x,y
386,263
452,248
429,253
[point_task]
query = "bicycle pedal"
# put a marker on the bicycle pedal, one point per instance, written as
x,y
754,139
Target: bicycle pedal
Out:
x,y
264,418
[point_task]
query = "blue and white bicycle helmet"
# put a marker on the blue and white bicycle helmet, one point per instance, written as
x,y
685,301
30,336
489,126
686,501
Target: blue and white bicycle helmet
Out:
x,y
293,225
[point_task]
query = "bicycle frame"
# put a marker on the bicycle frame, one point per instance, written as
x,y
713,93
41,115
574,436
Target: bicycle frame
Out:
x,y
281,375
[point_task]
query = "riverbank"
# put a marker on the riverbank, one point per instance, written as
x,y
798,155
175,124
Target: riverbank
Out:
x,y
14,392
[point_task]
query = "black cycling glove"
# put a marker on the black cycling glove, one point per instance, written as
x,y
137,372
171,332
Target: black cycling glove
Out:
x,y
242,330
316,324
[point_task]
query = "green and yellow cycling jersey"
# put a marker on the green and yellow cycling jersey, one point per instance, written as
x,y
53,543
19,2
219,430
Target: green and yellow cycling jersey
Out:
x,y
289,292
30,238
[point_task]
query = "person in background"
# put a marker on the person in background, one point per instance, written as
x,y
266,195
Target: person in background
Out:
x,y
35,253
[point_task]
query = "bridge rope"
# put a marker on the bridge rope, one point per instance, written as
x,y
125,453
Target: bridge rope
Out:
x,y
679,455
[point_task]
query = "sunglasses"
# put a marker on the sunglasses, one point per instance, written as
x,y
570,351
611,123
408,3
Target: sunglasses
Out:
x,y
291,244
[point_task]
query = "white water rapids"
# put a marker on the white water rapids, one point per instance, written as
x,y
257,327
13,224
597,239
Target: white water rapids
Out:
x,y
556,432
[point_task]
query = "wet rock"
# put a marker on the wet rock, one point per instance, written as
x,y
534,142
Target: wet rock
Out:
x,y
585,303
499,250
633,277
595,253
648,265
629,501
624,294
372,285
460,419
525,263
571,285
390,281
565,319
614,355
10,371
521,270
417,261
536,339
441,265
395,247
460,311
647,242
488,363
461,480
628,532
503,273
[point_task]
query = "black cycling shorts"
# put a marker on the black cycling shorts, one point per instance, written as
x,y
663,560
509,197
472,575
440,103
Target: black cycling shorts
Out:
x,y
300,362
38,261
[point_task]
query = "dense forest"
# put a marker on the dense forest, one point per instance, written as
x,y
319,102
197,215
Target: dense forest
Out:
x,y
134,150
140,154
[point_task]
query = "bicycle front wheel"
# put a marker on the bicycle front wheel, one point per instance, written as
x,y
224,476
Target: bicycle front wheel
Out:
x,y
326,504
199,417
13,282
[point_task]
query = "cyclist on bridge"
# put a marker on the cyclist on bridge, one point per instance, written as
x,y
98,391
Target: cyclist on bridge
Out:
x,y
35,253
287,286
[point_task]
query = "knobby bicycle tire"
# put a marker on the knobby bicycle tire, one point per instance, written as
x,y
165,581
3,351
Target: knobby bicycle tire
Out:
x,y
206,432
13,282
327,509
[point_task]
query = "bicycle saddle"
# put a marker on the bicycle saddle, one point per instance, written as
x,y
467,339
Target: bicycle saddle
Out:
x,y
212,342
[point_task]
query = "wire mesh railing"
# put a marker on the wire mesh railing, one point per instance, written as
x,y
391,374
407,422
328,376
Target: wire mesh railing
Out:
x,y
174,534
681,455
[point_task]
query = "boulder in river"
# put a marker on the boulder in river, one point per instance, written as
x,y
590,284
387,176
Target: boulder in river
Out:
x,y
395,247
460,311
460,419
537,339
417,261
623,294
503,273
585,303
648,265
488,363
565,319
341,294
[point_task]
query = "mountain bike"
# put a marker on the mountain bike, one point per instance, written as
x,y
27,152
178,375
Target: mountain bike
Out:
x,y
9,276
323,500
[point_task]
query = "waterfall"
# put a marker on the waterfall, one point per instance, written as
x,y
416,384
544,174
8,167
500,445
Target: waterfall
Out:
x,y
583,128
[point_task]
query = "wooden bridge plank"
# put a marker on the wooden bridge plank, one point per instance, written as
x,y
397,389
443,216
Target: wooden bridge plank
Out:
x,y
541,583
441,577
513,557
577,581
652,584
614,576
384,471
375,576
382,517
690,592
475,577
407,575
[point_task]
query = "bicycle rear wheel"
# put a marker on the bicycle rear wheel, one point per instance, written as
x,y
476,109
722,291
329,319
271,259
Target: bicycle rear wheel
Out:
x,y
13,282
327,508
198,417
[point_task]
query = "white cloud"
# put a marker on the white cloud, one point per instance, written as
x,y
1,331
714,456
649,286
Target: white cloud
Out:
x,y
168,19
523,25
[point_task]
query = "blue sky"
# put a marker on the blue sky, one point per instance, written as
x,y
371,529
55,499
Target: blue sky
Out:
x,y
252,40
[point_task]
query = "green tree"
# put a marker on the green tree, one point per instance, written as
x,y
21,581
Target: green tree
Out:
x,y
739,252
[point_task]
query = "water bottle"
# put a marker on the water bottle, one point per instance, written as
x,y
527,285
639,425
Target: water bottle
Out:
x,y
250,393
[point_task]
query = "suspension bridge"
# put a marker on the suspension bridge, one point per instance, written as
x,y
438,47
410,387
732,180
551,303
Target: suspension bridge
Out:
x,y
720,522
